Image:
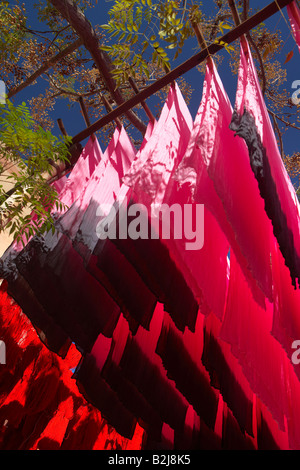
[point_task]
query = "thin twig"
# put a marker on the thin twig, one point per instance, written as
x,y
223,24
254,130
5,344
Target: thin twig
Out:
x,y
278,133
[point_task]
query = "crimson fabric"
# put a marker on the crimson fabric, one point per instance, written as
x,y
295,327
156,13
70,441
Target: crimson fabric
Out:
x,y
174,348
294,17
41,407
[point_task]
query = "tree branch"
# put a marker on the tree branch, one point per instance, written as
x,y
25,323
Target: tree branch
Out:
x,y
76,18
46,65
288,124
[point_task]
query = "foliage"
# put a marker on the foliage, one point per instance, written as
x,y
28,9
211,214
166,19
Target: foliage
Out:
x,y
24,167
143,38
135,26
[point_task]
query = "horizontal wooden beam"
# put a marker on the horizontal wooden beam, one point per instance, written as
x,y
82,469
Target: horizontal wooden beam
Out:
x,y
183,68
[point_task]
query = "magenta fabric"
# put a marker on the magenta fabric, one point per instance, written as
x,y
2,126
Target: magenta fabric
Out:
x,y
247,328
286,322
216,166
269,370
294,17
251,121
201,268
192,345
226,374
150,173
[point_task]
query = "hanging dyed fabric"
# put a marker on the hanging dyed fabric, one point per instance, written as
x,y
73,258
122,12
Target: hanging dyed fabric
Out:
x,y
294,17
251,121
40,405
146,259
216,166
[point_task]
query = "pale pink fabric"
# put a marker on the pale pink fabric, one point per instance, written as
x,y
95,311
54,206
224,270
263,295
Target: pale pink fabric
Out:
x,y
150,173
294,17
82,171
114,164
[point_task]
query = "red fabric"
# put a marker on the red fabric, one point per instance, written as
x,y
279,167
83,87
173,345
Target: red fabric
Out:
x,y
39,400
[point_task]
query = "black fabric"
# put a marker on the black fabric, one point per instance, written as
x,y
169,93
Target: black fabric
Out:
x,y
223,378
190,378
151,259
97,392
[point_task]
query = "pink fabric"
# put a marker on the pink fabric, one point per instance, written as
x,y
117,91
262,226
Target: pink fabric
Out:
x,y
82,171
150,173
249,97
151,180
271,375
286,321
216,166
178,372
147,183
294,17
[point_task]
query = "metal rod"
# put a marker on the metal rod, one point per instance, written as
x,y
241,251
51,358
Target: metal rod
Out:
x,y
143,103
193,61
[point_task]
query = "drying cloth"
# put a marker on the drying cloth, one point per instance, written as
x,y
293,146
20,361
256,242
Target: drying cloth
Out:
x,y
251,121
294,17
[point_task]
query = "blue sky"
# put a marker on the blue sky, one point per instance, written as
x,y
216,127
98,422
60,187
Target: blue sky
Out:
x,y
98,15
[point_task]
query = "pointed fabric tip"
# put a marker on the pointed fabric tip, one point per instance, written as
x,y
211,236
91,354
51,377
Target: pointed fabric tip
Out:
x,y
294,18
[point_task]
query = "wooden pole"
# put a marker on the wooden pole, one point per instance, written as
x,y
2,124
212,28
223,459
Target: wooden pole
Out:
x,y
62,127
85,115
109,109
201,40
193,61
143,103
237,22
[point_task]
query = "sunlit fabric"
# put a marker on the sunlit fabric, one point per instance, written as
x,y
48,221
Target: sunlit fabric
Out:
x,y
140,342
216,167
251,122
294,17
41,407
